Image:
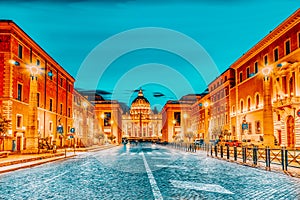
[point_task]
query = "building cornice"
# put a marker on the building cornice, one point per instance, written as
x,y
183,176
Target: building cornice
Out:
x,y
285,26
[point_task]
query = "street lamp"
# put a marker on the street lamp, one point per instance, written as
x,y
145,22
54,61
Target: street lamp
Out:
x,y
206,104
268,126
32,135
174,122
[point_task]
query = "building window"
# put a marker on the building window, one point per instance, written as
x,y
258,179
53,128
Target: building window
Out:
x,y
242,106
20,51
61,82
248,72
276,56
287,47
299,40
257,127
50,126
233,109
278,117
19,121
256,67
50,74
69,112
38,62
38,124
257,101
177,117
107,118
249,128
266,59
51,105
249,104
38,99
20,91
241,77
61,108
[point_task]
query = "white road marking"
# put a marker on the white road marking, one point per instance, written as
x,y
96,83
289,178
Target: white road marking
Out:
x,y
54,177
161,158
200,186
155,190
149,153
171,166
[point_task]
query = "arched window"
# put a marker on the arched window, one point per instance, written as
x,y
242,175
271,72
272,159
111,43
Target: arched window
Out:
x,y
248,104
291,86
257,100
242,106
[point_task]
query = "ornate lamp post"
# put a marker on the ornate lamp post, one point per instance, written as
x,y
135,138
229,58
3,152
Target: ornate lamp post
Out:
x,y
268,126
206,104
174,133
32,134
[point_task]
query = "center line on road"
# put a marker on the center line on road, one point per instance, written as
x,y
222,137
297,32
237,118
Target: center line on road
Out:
x,y
155,189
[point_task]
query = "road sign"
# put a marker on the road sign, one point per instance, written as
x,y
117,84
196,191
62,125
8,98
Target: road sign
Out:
x,y
298,113
245,126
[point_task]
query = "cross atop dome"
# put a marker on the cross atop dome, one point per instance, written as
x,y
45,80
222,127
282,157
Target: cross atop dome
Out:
x,y
141,93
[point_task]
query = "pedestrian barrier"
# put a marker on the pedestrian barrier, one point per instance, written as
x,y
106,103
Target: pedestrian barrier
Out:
x,y
256,156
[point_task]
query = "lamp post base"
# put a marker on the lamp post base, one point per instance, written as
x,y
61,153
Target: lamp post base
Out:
x,y
31,145
269,140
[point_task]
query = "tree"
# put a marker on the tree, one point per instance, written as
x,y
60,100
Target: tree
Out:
x,y
4,125
189,135
111,137
100,136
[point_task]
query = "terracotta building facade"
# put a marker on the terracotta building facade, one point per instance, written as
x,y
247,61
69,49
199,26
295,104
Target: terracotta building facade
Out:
x,y
36,93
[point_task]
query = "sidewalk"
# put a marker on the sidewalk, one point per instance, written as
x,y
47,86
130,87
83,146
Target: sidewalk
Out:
x,y
18,161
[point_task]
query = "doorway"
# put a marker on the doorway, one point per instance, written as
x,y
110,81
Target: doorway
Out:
x,y
290,127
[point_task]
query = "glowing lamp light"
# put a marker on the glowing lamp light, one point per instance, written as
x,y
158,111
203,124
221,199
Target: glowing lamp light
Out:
x,y
206,104
13,62
50,74
185,115
174,121
266,71
34,70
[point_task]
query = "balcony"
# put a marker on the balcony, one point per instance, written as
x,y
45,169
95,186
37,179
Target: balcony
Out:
x,y
286,102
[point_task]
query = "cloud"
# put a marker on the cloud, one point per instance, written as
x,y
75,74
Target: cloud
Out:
x,y
126,1
158,94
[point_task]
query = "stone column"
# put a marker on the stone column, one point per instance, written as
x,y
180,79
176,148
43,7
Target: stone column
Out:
x,y
268,125
32,133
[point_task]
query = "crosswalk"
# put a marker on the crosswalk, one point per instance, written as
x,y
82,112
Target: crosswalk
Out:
x,y
151,153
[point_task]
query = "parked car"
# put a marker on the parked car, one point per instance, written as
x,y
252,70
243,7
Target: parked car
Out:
x,y
199,142
233,143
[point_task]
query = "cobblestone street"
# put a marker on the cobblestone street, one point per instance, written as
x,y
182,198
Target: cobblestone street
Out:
x,y
146,172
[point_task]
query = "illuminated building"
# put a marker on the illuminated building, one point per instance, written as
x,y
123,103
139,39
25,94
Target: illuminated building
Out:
x,y
108,114
141,122
176,119
36,93
219,105
85,122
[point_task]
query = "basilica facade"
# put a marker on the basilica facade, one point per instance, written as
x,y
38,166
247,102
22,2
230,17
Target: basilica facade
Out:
x,y
141,122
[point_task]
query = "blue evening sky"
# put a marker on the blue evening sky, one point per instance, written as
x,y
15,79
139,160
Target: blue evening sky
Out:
x,y
147,43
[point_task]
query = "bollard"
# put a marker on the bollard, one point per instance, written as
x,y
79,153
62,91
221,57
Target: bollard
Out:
x,y
235,153
221,147
283,159
216,150
255,155
227,152
211,151
286,159
244,154
268,163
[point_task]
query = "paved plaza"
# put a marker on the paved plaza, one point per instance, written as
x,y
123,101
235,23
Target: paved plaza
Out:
x,y
146,171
